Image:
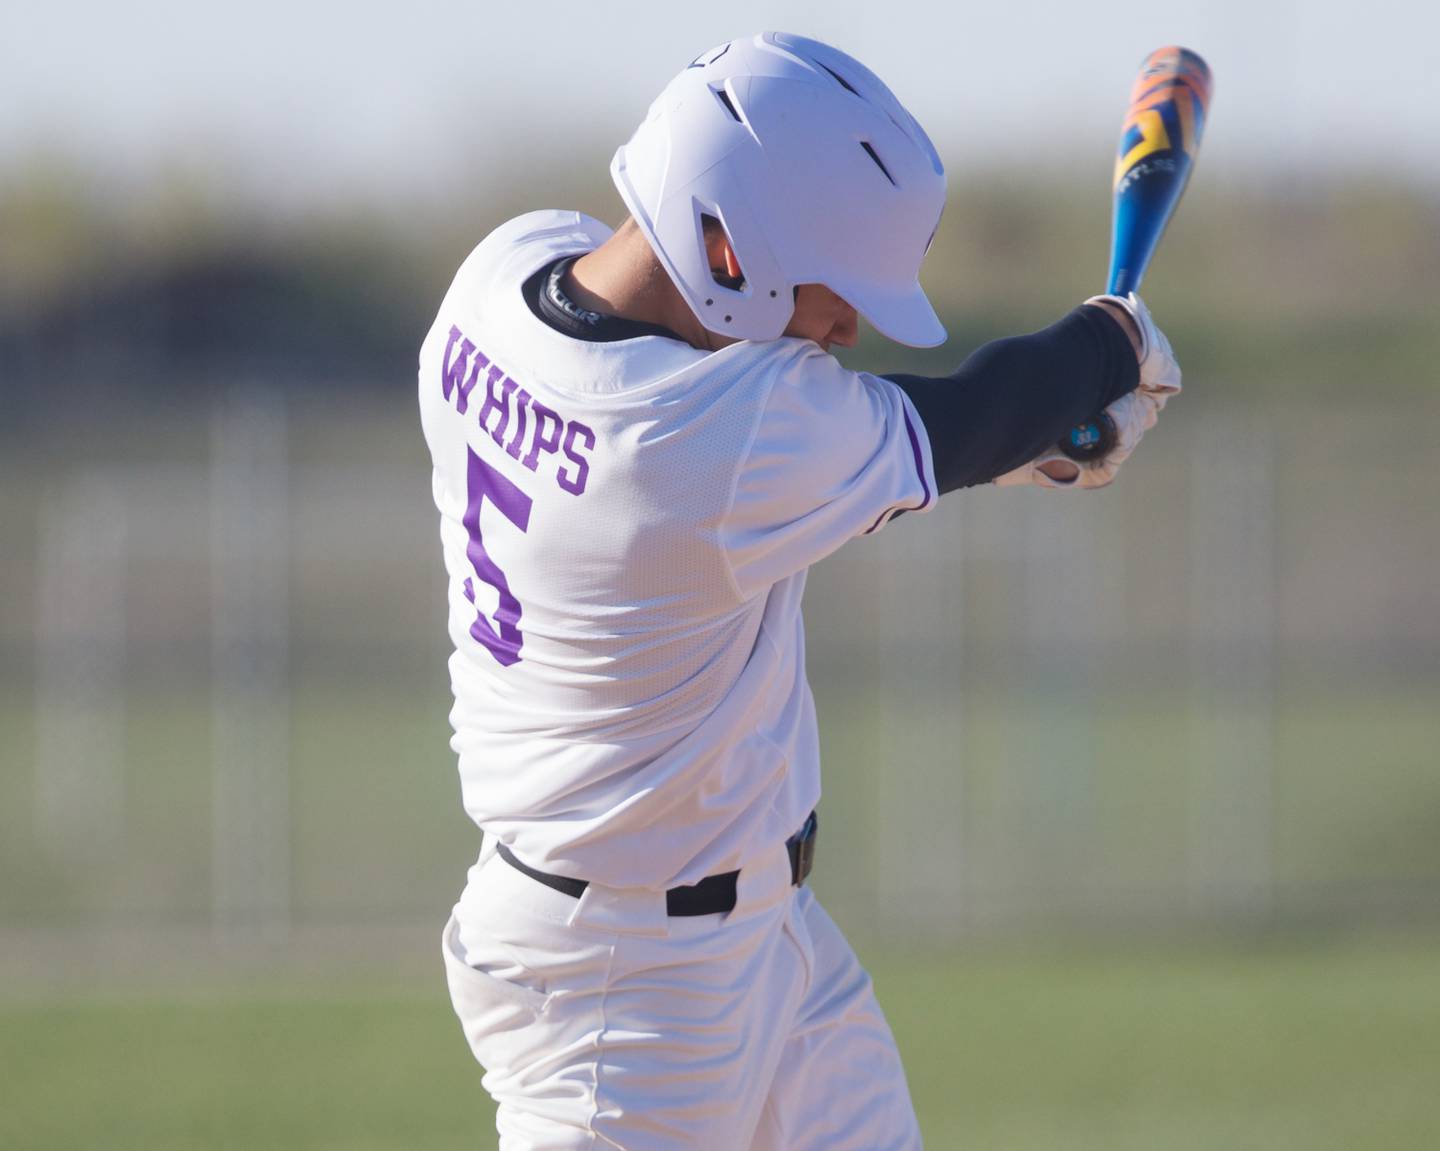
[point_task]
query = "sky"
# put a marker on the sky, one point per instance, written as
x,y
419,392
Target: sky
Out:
x,y
299,101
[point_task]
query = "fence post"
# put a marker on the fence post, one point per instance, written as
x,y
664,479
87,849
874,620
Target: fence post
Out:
x,y
250,562
79,793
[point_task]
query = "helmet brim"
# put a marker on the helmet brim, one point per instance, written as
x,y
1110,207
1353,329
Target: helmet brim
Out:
x,y
905,316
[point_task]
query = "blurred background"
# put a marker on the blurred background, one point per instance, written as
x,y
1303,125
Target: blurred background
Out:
x,y
1132,801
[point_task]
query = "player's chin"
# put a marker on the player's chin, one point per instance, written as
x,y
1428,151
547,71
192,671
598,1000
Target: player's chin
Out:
x,y
840,336
844,335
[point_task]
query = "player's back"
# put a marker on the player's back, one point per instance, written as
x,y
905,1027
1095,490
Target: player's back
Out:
x,y
606,672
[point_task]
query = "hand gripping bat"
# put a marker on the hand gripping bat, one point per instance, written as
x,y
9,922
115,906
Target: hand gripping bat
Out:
x,y
1159,139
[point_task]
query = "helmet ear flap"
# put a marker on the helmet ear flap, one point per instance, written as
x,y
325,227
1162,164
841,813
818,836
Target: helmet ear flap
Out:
x,y
727,291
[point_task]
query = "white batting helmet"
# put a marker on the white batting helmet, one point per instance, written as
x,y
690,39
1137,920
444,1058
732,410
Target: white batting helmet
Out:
x,y
815,170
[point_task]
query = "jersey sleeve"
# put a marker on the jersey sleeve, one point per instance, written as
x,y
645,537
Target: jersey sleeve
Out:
x,y
835,454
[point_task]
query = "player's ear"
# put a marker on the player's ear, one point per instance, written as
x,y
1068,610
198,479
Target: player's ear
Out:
x,y
732,263
724,263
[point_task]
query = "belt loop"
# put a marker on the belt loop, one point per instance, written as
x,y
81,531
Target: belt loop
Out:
x,y
622,910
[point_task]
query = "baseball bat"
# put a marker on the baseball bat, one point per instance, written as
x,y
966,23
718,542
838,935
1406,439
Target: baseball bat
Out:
x,y
1159,139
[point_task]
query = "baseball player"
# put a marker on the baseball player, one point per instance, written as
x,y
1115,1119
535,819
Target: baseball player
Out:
x,y
641,443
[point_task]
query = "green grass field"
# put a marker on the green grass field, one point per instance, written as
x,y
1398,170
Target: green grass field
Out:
x,y
1313,1047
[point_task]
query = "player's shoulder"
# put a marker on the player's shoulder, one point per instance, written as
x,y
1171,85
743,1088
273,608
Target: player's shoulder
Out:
x,y
798,373
546,227
739,378
790,388
521,246
484,298
815,409
786,362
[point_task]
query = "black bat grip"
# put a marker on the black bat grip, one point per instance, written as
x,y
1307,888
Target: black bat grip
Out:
x,y
1093,440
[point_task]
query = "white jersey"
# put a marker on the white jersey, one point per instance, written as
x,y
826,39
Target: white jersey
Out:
x,y
627,527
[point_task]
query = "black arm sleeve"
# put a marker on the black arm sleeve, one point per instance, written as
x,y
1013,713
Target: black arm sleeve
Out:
x,y
1014,398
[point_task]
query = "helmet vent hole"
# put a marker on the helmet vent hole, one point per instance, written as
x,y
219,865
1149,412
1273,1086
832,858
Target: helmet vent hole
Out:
x,y
869,151
725,102
701,62
839,79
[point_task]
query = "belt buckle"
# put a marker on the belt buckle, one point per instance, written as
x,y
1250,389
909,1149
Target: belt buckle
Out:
x,y
801,847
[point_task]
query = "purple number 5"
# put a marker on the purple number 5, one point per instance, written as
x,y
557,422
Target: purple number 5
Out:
x,y
483,482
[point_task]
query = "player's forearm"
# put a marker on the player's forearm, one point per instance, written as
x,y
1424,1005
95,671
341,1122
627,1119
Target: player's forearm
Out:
x,y
1013,398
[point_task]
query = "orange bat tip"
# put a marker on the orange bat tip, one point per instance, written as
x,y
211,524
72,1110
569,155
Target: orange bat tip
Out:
x,y
1173,65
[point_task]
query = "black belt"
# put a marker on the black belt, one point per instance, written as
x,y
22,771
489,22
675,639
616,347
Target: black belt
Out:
x,y
713,895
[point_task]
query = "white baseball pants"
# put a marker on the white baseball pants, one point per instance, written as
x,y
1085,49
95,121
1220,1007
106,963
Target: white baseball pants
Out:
x,y
604,1023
